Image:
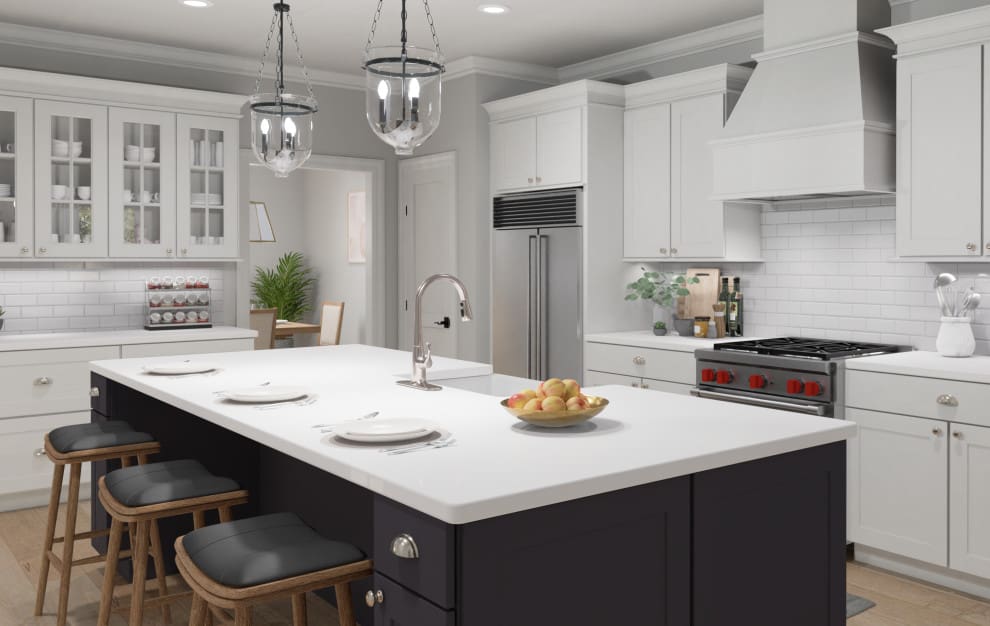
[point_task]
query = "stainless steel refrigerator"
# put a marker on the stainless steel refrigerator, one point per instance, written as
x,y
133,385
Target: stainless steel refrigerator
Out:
x,y
537,294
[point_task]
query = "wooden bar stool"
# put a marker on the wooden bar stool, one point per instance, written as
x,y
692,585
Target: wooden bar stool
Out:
x,y
73,446
237,565
140,496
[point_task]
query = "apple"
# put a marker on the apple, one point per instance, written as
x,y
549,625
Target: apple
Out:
x,y
572,387
554,403
576,403
533,404
518,401
554,387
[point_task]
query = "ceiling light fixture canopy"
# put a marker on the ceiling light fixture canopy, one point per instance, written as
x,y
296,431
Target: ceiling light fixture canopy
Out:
x,y
403,87
493,9
281,122
197,4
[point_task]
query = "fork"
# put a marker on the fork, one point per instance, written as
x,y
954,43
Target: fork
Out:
x,y
414,446
304,402
328,428
434,445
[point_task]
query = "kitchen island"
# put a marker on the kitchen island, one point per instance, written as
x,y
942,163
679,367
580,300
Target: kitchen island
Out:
x,y
664,510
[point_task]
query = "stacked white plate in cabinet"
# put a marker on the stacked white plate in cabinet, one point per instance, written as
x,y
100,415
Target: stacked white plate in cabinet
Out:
x,y
385,431
4,191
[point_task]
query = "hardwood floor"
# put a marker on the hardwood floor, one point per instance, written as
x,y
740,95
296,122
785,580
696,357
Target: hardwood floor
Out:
x,y
900,601
20,547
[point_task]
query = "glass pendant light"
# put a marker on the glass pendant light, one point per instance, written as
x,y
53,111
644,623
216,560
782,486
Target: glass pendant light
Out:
x,y
281,123
403,87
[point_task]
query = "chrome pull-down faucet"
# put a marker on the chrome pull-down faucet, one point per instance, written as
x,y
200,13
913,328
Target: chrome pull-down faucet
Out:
x,y
422,358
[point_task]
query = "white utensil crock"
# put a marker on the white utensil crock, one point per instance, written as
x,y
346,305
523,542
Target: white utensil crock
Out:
x,y
955,337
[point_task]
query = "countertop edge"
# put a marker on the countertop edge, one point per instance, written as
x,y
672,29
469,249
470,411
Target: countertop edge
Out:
x,y
94,339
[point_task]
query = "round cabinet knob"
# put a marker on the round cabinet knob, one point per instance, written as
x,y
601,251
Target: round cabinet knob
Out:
x,y
25,250
757,381
530,180
638,360
44,380
539,179
404,547
94,392
40,452
723,377
707,375
183,251
673,250
795,386
813,389
937,431
379,597
947,399
369,598
645,386
971,247
957,434
42,250
168,251
636,385
988,246
663,250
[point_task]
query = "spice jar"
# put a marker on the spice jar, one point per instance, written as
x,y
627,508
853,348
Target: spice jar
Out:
x,y
701,326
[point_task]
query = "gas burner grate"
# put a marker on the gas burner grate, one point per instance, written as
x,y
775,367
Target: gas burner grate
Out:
x,y
800,347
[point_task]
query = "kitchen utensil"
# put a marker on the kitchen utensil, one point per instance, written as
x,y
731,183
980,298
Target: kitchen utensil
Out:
x,y
264,395
385,431
429,445
704,294
416,446
179,368
558,419
719,310
973,303
941,282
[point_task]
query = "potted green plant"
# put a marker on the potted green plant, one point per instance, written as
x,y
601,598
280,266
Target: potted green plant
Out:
x,y
662,290
659,329
286,287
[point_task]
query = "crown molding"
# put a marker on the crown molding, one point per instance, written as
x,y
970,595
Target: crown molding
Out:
x,y
961,28
723,78
504,69
610,65
571,94
95,45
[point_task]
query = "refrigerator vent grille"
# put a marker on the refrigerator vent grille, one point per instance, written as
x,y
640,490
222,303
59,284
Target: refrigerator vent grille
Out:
x,y
531,210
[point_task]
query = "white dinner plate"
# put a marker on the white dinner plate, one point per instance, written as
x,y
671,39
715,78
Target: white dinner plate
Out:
x,y
385,431
261,395
175,368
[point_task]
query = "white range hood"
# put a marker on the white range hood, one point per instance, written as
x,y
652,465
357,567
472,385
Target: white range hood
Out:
x,y
817,116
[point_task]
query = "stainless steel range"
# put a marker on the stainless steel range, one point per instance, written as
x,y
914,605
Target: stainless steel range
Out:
x,y
790,373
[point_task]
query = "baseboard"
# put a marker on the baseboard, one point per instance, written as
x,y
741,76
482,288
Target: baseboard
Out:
x,y
36,498
927,572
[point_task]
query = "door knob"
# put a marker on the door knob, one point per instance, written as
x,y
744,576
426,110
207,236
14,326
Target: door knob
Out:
x,y
937,431
40,452
971,247
372,597
445,322
44,380
957,434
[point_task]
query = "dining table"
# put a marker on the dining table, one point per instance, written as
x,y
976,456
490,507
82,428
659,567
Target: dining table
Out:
x,y
285,330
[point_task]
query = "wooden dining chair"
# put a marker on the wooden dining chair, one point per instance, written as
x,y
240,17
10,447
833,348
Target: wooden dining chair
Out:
x,y
263,321
331,322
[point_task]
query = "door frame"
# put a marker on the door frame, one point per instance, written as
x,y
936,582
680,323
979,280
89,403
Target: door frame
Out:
x,y
376,275
406,291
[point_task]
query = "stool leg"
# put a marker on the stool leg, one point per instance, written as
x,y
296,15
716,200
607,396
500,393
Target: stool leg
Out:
x,y
139,558
75,470
299,609
156,552
197,614
39,603
142,459
199,520
242,616
345,610
113,554
225,514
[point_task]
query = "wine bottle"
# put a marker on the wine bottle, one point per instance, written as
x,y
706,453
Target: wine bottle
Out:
x,y
739,309
732,315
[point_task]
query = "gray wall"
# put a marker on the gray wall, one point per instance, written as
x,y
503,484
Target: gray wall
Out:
x,y
920,9
285,199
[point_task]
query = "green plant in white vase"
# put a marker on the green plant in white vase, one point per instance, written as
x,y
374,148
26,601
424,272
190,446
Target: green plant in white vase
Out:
x,y
662,289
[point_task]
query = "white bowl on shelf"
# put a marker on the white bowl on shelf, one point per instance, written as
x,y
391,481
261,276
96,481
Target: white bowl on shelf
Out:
x,y
148,155
77,149
60,148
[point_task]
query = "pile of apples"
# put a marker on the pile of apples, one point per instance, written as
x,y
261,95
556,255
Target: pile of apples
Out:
x,y
552,394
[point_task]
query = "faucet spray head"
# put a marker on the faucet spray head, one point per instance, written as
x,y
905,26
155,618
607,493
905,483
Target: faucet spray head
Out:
x,y
466,314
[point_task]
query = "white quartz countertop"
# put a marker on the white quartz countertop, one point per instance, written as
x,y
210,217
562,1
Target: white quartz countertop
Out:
x,y
646,339
498,465
975,369
48,341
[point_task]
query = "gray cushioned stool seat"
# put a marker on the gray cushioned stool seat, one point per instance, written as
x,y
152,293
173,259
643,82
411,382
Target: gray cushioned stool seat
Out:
x,y
81,437
154,483
263,549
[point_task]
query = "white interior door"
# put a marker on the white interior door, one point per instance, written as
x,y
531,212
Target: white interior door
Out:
x,y
427,246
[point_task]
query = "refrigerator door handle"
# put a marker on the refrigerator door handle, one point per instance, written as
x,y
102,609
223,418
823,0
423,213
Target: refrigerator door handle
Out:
x,y
544,352
531,327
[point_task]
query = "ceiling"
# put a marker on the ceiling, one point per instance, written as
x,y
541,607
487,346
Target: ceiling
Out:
x,y
333,33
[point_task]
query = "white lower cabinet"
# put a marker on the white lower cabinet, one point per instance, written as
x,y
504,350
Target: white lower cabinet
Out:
x,y
898,487
969,500
649,368
24,467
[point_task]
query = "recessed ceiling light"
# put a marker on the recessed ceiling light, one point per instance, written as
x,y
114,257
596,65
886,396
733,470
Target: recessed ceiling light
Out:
x,y
493,9
197,4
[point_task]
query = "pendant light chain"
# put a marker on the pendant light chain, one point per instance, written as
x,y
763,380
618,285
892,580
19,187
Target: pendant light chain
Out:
x,y
264,57
374,26
433,28
299,54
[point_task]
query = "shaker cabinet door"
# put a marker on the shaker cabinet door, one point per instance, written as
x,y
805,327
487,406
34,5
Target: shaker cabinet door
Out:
x,y
397,606
898,484
969,500
646,205
559,148
514,154
16,192
939,153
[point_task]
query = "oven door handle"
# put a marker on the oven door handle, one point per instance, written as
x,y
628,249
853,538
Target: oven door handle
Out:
x,y
810,409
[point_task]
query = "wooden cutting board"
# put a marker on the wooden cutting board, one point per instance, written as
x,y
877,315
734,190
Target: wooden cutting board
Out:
x,y
703,294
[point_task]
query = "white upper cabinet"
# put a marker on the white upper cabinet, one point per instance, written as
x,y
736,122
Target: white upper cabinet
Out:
x,y
70,176
142,183
646,206
16,185
207,187
969,512
542,150
669,173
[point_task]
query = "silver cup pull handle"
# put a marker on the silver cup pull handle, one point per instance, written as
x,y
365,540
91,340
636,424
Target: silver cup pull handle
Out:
x,y
404,547
40,452
947,399
44,380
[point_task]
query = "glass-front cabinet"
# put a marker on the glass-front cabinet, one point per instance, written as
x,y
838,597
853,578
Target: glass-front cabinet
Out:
x,y
142,183
207,187
16,192
70,180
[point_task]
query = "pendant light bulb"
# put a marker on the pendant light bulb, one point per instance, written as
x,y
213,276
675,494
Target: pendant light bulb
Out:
x,y
266,126
414,88
382,90
289,126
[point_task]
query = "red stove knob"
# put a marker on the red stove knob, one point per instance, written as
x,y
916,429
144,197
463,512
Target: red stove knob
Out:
x,y
707,375
795,386
813,389
757,381
723,377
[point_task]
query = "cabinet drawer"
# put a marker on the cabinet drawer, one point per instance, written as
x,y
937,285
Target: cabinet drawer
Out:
x,y
23,465
597,379
400,607
676,367
432,574
932,398
186,347
48,381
